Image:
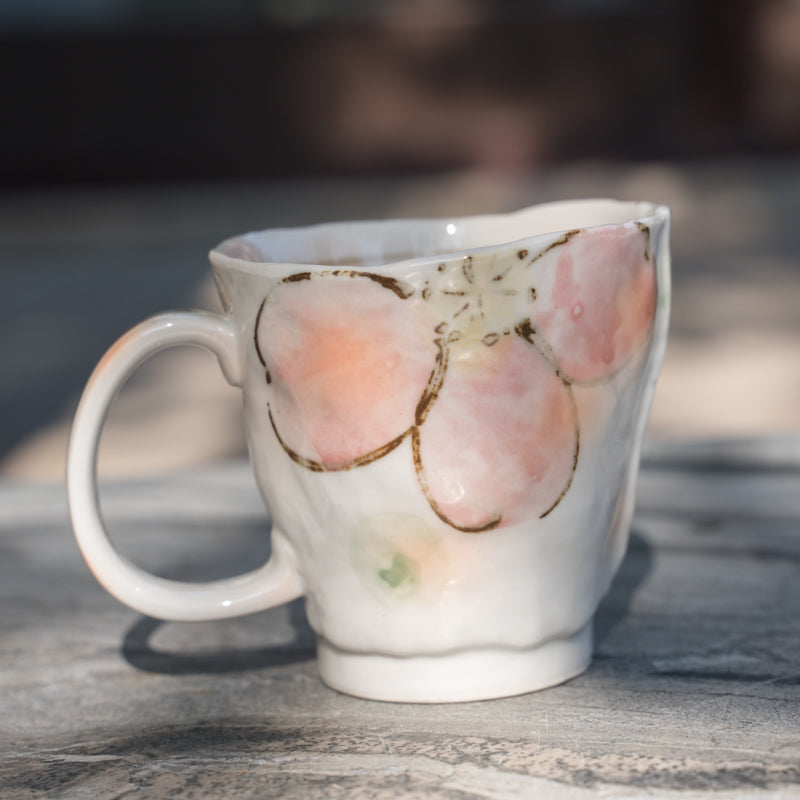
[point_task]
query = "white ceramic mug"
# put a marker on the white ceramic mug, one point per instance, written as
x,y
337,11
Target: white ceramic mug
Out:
x,y
444,418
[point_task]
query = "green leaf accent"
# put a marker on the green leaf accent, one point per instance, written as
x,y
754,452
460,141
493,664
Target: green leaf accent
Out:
x,y
402,571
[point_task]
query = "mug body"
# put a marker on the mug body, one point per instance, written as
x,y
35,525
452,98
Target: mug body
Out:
x,y
445,419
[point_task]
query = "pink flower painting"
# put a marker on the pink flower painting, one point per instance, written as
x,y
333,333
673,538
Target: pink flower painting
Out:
x,y
472,367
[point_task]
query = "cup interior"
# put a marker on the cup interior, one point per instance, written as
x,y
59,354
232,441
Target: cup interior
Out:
x,y
377,243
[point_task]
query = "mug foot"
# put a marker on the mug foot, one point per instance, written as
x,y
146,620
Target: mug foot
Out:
x,y
462,676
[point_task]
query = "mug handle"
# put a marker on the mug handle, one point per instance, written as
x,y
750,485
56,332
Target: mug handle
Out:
x,y
276,582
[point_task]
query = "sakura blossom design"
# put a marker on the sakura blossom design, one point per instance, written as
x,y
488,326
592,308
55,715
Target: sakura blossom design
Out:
x,y
473,368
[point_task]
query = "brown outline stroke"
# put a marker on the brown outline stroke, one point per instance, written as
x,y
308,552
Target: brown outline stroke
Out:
x,y
403,291
541,343
359,461
526,331
423,484
400,288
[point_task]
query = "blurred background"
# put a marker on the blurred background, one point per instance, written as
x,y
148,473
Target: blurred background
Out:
x,y
137,134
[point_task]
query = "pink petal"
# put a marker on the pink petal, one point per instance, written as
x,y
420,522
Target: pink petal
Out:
x,y
499,443
595,299
347,364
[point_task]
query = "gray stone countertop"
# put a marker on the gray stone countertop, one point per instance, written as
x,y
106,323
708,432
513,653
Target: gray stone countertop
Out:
x,y
694,689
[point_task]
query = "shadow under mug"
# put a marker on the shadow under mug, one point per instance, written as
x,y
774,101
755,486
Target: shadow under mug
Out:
x,y
444,419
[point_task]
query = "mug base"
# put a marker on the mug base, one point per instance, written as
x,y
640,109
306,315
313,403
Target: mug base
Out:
x,y
458,677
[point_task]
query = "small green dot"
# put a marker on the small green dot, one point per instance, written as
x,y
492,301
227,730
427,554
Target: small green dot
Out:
x,y
400,572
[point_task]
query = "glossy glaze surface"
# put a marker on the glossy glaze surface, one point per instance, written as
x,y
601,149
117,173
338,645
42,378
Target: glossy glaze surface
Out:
x,y
444,419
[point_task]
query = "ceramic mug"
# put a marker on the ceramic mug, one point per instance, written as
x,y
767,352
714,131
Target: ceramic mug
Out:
x,y
445,420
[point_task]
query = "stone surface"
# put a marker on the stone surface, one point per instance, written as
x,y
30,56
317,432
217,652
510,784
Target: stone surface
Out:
x,y
694,689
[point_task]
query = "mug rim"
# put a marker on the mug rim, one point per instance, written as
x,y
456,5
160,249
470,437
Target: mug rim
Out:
x,y
640,213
